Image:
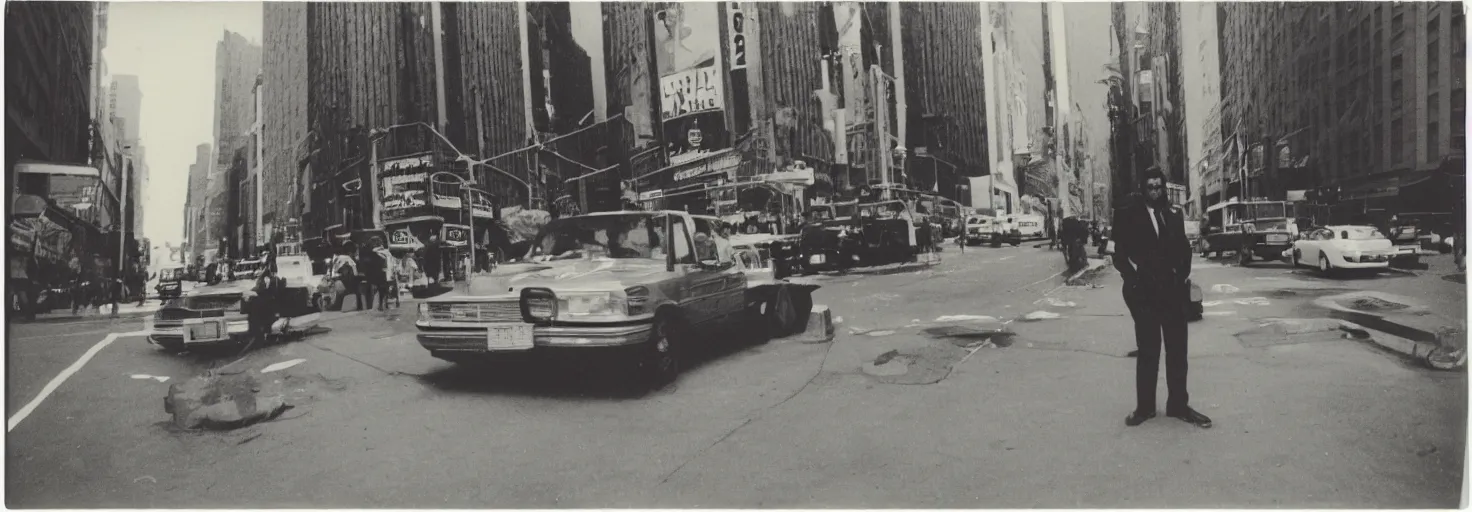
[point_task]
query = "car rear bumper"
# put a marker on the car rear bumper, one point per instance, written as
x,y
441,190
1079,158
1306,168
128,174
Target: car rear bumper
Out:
x,y
173,337
470,339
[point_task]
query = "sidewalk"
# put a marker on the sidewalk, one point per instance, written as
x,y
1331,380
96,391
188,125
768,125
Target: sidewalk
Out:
x,y
65,315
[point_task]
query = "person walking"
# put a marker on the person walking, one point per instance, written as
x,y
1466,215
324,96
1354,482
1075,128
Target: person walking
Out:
x,y
432,259
1154,258
346,271
373,270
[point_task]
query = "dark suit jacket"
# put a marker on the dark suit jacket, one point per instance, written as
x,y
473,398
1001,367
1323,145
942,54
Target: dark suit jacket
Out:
x,y
1154,267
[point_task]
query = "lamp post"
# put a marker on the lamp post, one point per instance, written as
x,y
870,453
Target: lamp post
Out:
x,y
465,186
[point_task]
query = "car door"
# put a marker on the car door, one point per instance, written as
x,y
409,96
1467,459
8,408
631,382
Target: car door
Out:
x,y
718,292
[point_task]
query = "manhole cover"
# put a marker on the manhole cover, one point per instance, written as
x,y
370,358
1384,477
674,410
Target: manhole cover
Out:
x,y
1374,304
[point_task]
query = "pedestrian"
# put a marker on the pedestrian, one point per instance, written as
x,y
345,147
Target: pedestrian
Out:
x,y
432,259
373,269
346,271
265,303
1154,258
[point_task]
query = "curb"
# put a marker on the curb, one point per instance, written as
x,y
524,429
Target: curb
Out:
x,y
1442,349
1376,321
819,328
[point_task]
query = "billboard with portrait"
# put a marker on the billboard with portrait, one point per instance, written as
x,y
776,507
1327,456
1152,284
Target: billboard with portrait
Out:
x,y
404,183
691,84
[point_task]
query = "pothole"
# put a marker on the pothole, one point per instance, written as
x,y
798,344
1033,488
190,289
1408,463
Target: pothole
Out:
x,y
971,337
1372,304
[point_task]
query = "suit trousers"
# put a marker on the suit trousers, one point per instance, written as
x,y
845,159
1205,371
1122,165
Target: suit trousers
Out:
x,y
1157,326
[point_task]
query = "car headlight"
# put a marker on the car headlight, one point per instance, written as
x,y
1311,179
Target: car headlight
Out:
x,y
590,304
636,300
434,311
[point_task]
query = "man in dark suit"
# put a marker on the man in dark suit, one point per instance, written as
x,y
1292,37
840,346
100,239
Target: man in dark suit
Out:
x,y
1154,258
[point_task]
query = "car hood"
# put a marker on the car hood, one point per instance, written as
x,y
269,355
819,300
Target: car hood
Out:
x,y
604,274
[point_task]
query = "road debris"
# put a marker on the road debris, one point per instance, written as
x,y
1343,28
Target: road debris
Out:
x,y
1225,288
878,333
1041,315
282,365
222,402
1254,301
140,376
965,318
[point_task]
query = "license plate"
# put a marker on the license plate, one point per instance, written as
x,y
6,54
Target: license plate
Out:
x,y
515,336
817,259
196,332
1277,238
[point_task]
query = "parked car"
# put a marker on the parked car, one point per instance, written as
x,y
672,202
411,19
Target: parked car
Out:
x,y
217,315
1343,247
629,287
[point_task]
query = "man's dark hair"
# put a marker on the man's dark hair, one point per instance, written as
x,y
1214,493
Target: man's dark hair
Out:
x,y
1153,172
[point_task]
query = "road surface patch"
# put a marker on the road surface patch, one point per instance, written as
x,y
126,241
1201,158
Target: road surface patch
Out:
x,y
1253,301
65,374
1225,288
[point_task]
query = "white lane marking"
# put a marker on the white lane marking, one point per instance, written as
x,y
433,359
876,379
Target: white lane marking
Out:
x,y
64,375
66,334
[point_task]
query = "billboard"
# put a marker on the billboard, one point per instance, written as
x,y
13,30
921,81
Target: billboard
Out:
x,y
691,84
404,187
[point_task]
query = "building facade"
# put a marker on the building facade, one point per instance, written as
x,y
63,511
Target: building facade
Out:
x,y
285,75
237,66
943,55
1366,98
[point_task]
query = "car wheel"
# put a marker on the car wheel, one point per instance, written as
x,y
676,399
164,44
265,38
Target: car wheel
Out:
x,y
1324,266
660,364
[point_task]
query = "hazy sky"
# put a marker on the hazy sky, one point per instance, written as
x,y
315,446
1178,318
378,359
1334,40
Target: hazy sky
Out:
x,y
171,48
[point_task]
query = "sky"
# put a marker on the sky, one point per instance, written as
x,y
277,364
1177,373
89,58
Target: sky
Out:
x,y
171,48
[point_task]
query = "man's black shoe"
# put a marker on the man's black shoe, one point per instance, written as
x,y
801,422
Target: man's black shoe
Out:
x,y
1138,417
1190,415
1133,353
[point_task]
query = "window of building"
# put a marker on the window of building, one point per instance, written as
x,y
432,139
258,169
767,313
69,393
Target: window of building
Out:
x,y
1432,26
1433,141
1397,93
1432,102
1397,141
1377,145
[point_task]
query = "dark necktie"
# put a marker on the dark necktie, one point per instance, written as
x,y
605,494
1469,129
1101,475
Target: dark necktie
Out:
x,y
1159,224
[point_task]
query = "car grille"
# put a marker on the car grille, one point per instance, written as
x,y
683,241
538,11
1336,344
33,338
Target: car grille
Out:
x,y
497,311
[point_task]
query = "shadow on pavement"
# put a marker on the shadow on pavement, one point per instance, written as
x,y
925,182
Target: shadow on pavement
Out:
x,y
572,377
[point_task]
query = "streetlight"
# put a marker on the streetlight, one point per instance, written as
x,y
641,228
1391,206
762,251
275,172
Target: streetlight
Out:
x,y
465,186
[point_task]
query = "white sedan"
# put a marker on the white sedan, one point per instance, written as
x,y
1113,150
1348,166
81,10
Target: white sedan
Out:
x,y
1343,247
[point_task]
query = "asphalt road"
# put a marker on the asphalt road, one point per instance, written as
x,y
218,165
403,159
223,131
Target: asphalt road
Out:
x,y
905,408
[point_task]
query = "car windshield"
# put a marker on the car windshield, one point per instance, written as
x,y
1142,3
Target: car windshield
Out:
x,y
634,236
1361,233
820,214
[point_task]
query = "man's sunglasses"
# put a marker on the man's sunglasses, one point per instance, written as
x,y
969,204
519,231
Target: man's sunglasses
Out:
x,y
1154,187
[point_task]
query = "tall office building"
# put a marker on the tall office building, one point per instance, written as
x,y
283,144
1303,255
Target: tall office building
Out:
x,y
1365,97
237,64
